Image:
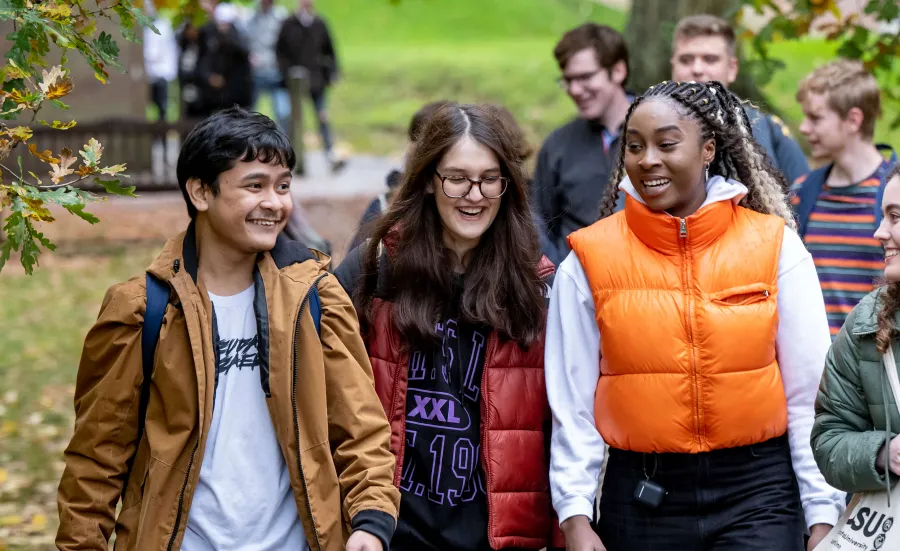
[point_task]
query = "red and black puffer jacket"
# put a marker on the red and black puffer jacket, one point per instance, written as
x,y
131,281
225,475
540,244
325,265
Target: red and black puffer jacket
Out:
x,y
515,427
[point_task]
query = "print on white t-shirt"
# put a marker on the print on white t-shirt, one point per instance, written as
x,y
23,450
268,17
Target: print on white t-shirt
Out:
x,y
244,499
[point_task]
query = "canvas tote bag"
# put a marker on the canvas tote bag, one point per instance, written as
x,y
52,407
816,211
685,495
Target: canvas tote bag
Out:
x,y
868,523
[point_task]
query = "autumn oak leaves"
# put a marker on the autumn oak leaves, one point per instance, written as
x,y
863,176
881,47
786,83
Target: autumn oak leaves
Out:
x,y
26,85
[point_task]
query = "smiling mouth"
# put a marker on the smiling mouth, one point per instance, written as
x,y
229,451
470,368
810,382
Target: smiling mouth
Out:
x,y
265,223
890,253
659,182
471,212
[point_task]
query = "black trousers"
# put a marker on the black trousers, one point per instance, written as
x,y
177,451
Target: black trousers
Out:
x,y
743,498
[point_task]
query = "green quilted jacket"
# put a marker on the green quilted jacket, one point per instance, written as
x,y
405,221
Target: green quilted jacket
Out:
x,y
851,422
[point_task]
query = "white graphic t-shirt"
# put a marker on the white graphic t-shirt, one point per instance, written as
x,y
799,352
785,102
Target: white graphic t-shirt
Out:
x,y
244,499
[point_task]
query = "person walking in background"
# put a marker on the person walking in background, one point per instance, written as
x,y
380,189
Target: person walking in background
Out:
x,y
450,290
262,30
574,163
305,41
380,204
704,49
227,67
838,206
226,449
854,436
192,84
704,311
160,60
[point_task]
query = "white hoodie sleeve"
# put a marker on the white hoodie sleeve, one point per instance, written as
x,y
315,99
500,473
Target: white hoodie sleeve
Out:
x,y
801,344
572,369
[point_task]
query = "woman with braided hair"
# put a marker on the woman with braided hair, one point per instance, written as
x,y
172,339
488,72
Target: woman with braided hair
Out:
x,y
704,310
854,432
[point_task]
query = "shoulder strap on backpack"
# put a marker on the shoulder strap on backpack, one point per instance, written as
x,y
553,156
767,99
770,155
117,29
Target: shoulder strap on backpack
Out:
x,y
315,307
157,301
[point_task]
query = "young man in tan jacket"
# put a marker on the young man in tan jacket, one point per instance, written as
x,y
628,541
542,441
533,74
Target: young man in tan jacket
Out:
x,y
260,427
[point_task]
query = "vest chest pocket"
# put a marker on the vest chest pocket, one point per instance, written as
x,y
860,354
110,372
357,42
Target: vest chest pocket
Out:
x,y
743,295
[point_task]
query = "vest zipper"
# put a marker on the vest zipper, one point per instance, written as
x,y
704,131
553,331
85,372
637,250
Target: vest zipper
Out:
x,y
682,232
296,418
488,355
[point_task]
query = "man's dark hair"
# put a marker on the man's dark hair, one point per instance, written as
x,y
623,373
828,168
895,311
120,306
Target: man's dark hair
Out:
x,y
606,42
225,138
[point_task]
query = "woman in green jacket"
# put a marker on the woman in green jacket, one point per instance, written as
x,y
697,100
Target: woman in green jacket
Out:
x,y
854,438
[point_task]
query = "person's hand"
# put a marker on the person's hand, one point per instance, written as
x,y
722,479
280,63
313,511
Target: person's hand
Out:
x,y
893,456
363,541
580,536
817,534
889,457
216,81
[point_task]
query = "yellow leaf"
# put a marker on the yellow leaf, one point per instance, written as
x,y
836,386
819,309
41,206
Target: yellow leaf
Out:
x,y
55,84
58,125
37,210
38,522
46,155
10,520
56,12
20,133
18,97
3,476
13,72
113,170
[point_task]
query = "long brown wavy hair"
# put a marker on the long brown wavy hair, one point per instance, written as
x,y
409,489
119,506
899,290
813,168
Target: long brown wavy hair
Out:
x,y
890,301
501,286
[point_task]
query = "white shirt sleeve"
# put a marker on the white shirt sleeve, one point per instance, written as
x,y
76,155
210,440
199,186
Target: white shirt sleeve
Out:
x,y
801,345
572,369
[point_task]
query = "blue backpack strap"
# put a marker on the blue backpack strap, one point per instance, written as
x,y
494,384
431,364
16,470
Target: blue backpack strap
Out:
x,y
315,307
157,301
808,193
879,196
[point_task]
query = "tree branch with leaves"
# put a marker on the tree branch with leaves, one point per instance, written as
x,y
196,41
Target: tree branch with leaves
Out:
x,y
29,82
871,36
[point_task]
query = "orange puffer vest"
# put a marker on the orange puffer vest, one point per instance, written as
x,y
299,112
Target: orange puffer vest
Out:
x,y
687,312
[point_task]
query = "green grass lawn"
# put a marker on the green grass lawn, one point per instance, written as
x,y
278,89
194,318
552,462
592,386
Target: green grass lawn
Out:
x,y
397,56
46,317
485,50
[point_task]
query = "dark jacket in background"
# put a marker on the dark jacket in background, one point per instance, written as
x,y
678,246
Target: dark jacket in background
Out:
x,y
784,152
228,56
569,182
310,47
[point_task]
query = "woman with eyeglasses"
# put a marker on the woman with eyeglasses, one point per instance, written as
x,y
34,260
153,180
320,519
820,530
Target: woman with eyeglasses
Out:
x,y
451,295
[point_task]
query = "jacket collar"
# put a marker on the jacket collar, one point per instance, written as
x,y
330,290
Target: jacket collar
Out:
x,y
866,316
665,233
180,252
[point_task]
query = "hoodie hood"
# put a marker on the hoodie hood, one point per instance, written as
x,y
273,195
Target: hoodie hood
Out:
x,y
717,189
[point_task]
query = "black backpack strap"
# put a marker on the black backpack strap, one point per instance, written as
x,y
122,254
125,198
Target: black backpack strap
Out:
x,y
157,301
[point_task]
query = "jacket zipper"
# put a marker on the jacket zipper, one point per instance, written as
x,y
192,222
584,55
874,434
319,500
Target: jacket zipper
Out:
x,y
296,418
187,476
488,354
682,232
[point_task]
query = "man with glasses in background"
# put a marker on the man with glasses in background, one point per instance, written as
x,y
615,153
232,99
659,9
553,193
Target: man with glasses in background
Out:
x,y
575,161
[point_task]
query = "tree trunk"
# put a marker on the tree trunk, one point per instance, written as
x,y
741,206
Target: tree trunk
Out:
x,y
649,37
